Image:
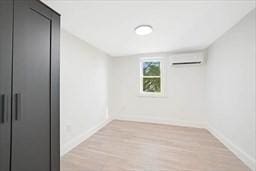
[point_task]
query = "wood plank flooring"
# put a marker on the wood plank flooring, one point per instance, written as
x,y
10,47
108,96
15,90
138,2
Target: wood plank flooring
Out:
x,y
135,146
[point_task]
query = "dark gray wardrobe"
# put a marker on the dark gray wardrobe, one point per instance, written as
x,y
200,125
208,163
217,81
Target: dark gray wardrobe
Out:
x,y
29,86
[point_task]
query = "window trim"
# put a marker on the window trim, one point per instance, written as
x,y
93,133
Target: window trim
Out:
x,y
162,77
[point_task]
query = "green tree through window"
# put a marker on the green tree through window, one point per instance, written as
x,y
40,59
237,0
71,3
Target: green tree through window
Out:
x,y
151,76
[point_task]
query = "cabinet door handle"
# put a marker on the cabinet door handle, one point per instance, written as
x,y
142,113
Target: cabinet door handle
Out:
x,y
17,106
3,109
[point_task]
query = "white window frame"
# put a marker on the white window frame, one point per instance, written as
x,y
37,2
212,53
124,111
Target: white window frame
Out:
x,y
162,77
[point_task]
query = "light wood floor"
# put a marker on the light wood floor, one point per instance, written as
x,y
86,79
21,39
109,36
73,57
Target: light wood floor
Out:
x,y
134,146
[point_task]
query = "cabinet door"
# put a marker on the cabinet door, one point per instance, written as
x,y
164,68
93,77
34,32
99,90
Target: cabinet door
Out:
x,y
6,15
32,66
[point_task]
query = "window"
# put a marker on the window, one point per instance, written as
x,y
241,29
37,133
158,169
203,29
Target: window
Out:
x,y
151,77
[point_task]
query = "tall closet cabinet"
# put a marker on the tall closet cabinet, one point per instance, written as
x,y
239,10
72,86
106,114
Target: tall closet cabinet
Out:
x,y
29,86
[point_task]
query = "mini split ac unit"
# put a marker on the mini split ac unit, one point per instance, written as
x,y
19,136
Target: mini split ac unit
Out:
x,y
181,59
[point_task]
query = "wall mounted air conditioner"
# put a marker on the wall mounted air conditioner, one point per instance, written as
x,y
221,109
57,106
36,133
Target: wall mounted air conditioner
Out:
x,y
181,59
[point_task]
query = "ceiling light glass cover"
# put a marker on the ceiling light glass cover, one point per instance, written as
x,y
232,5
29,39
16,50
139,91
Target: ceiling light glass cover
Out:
x,y
143,30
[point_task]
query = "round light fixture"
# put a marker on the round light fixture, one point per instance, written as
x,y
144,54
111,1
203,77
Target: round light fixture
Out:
x,y
143,30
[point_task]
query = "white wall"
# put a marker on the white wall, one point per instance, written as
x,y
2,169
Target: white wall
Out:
x,y
183,105
231,88
224,88
84,74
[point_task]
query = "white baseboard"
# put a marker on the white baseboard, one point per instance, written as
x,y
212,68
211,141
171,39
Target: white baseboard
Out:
x,y
248,160
160,121
79,139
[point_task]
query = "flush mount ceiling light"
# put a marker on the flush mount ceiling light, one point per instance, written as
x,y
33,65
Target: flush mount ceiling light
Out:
x,y
143,30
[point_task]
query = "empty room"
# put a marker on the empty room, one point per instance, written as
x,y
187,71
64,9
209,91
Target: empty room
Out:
x,y
127,85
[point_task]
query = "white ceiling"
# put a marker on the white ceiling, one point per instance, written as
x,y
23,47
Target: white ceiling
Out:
x,y
178,25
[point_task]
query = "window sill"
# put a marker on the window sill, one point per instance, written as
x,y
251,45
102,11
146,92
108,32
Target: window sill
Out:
x,y
153,95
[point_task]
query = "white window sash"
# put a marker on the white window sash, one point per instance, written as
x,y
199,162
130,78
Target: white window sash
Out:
x,y
151,76
161,76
